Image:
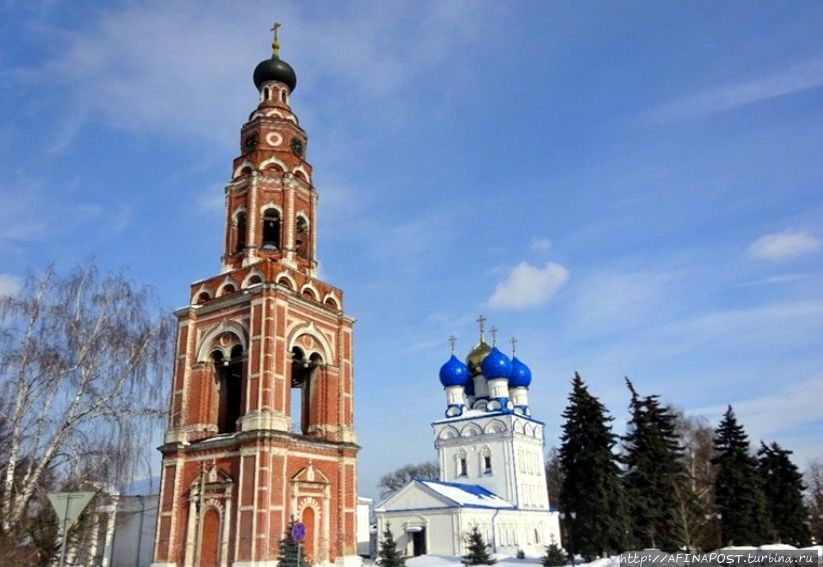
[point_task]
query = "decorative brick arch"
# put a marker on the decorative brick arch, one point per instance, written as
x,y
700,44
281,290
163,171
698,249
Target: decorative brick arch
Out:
x,y
238,171
211,339
321,345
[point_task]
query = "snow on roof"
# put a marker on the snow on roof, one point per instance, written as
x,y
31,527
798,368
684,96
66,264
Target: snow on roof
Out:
x,y
471,495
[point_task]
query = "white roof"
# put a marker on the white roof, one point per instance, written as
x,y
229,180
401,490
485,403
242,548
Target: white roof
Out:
x,y
471,495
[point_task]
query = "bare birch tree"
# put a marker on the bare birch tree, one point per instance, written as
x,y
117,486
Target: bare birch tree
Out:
x,y
81,368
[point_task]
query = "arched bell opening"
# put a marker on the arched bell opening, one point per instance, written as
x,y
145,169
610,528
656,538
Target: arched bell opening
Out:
x,y
271,229
228,374
303,369
239,232
301,237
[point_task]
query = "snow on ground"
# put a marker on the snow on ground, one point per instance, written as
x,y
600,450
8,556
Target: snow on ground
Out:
x,y
506,561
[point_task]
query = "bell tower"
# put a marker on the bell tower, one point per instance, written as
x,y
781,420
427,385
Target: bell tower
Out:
x,y
261,414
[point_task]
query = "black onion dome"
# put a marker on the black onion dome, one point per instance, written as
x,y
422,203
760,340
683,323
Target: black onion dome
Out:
x,y
274,69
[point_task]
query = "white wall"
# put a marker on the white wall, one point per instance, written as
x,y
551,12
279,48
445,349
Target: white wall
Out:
x,y
133,542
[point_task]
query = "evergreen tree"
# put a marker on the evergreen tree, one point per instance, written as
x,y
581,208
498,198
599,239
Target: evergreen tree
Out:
x,y
554,556
783,489
655,476
290,552
591,486
478,553
738,491
389,556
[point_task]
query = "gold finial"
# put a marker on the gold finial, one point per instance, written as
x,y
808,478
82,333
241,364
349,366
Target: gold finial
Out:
x,y
275,44
513,342
493,331
452,342
481,321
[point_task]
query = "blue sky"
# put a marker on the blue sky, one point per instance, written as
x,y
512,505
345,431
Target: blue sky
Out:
x,y
630,189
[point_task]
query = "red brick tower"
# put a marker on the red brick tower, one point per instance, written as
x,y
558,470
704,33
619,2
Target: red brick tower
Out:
x,y
261,427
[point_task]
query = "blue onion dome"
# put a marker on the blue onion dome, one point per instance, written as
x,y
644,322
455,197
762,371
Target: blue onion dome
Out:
x,y
474,360
496,365
454,373
468,389
521,375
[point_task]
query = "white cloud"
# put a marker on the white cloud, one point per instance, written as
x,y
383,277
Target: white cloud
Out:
x,y
784,278
754,319
528,286
540,244
785,245
787,408
176,67
801,77
613,302
9,285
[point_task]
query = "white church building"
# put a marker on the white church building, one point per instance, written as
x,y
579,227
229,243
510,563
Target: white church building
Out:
x,y
492,472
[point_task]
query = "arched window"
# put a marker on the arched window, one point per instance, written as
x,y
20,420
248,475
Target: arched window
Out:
x,y
228,373
462,465
302,371
301,237
271,229
486,461
240,232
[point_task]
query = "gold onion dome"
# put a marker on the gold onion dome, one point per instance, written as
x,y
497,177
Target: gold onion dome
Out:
x,y
474,360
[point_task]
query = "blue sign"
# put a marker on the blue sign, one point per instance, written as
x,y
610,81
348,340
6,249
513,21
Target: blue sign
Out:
x,y
298,531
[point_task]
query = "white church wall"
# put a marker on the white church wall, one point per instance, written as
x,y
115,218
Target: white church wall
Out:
x,y
364,506
438,526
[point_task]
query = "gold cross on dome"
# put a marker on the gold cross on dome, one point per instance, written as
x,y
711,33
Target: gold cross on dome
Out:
x,y
452,341
275,44
481,322
513,342
493,331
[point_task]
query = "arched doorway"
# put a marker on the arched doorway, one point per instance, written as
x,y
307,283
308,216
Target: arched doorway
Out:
x,y
210,539
308,542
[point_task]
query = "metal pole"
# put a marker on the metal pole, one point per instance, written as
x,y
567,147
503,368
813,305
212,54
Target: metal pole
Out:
x,y
65,535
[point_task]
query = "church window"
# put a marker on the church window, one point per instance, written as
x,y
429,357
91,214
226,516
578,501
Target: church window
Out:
x,y
228,373
271,229
307,292
240,232
462,466
203,297
301,237
487,464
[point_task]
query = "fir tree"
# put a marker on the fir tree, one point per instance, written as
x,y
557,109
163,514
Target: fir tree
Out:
x,y
591,486
478,553
389,556
290,552
554,556
738,492
783,489
655,476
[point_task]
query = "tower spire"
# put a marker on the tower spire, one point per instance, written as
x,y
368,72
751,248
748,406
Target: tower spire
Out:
x,y
275,44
